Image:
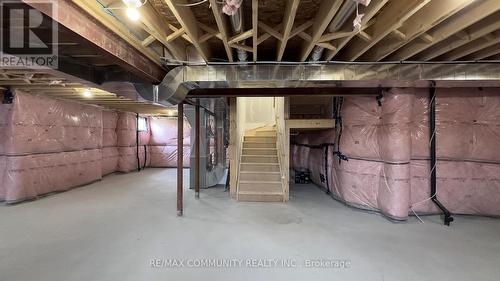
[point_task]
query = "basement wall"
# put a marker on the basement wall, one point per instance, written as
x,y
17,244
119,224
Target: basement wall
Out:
x,y
387,148
49,145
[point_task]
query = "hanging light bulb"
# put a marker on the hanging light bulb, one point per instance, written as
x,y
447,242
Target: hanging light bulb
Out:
x,y
133,14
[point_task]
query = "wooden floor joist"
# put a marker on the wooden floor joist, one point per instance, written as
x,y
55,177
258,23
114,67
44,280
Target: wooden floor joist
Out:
x,y
390,30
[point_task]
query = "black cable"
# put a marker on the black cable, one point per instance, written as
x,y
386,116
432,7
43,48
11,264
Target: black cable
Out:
x,y
339,127
145,156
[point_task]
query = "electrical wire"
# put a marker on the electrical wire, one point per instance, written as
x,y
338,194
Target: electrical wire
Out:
x,y
191,4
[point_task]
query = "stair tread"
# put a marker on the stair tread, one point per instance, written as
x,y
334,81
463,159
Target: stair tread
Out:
x,y
259,172
259,155
264,148
260,182
261,192
253,163
260,163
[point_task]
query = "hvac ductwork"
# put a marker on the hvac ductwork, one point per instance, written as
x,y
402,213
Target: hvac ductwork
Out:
x,y
345,12
237,27
181,80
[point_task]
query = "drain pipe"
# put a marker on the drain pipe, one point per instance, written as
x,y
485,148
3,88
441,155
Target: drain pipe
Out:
x,y
236,21
346,11
432,122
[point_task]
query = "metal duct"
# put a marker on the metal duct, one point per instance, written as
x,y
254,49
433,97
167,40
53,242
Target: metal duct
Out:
x,y
181,80
237,27
345,11
211,175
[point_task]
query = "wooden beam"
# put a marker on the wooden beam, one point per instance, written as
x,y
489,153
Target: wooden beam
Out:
x,y
240,37
146,42
255,27
241,47
422,21
324,16
301,28
484,53
263,38
205,37
310,123
154,25
327,45
266,36
475,32
372,10
221,21
365,36
461,34
94,25
335,35
305,36
207,28
471,15
272,31
471,47
427,38
399,35
97,12
177,33
187,20
288,20
390,19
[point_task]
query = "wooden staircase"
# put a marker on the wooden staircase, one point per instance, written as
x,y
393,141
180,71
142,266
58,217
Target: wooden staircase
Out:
x,y
259,178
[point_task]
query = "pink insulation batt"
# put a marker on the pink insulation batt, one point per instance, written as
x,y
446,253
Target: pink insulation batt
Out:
x,y
49,145
388,150
28,176
109,122
42,125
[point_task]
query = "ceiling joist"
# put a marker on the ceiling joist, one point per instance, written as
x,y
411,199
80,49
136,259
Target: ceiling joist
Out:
x,y
187,20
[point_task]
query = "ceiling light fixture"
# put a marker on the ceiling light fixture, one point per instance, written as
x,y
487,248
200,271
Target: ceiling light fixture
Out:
x,y
87,94
133,14
133,3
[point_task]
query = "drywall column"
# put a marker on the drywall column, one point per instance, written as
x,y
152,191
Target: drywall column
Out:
x,y
197,148
180,156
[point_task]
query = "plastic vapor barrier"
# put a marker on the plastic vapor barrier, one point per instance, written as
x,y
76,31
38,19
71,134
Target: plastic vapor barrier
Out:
x,y
49,145
162,146
387,147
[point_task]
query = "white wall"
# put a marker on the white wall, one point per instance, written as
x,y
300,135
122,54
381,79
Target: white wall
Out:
x,y
254,112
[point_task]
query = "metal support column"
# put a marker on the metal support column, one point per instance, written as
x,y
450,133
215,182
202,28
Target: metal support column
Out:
x,y
180,156
197,148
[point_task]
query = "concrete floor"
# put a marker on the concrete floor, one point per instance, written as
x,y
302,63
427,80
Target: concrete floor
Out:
x,y
111,230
